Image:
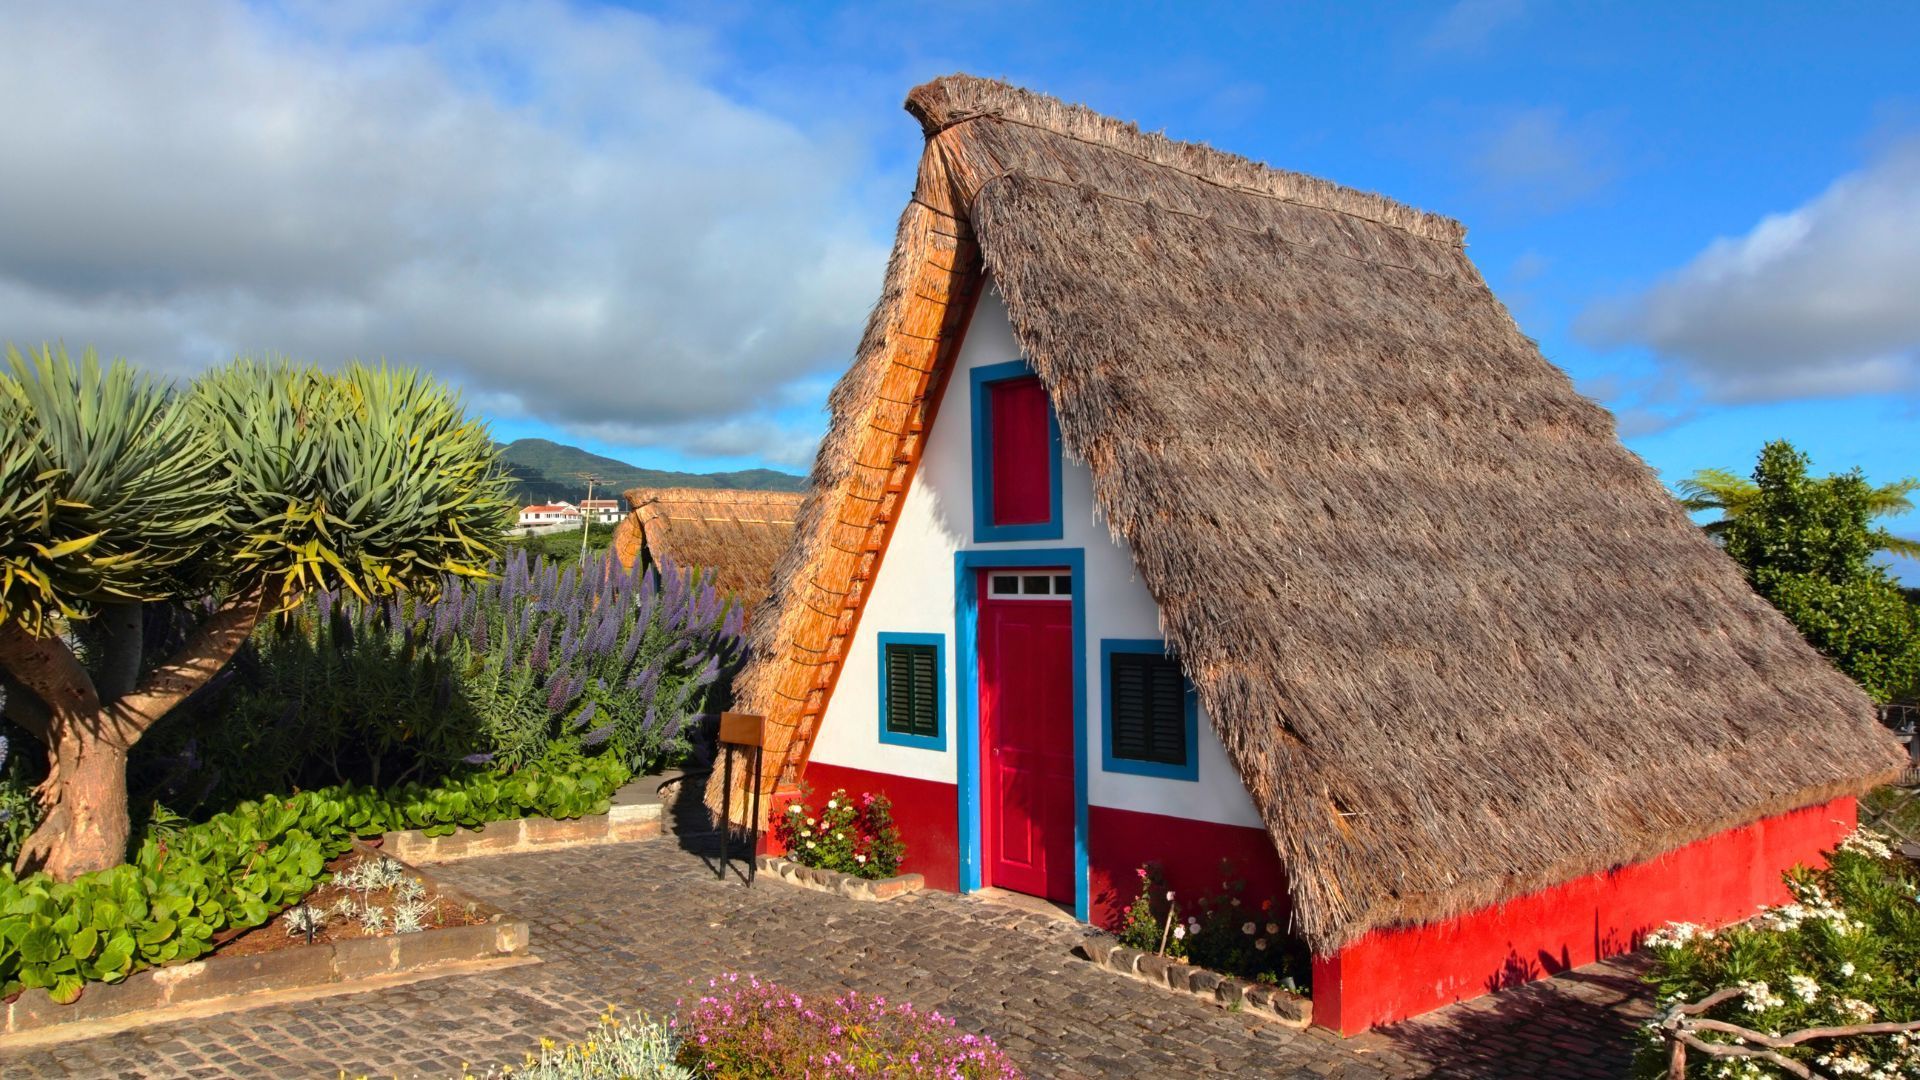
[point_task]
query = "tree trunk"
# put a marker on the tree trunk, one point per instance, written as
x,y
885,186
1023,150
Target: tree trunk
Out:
x,y
86,825
88,734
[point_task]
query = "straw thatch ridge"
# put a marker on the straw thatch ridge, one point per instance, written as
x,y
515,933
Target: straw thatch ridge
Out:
x,y
1458,641
734,536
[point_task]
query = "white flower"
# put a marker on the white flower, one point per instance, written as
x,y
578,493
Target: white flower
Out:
x,y
1760,997
1803,988
1273,928
831,803
794,809
1847,969
1855,1010
1674,935
809,843
1236,901
1169,895
1867,842
1193,924
810,821
859,858
1179,932
1850,1065
1246,928
1259,943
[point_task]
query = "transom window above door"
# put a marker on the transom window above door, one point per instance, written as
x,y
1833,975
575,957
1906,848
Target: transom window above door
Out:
x,y
1030,585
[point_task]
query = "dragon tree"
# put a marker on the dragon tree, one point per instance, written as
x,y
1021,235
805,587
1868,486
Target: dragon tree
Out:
x,y
216,504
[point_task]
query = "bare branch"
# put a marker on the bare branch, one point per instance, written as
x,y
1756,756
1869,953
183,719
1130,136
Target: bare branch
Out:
x,y
47,668
1682,1020
207,650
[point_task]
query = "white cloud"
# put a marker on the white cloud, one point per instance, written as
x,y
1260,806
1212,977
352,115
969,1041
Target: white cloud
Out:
x,y
1820,301
546,202
1468,25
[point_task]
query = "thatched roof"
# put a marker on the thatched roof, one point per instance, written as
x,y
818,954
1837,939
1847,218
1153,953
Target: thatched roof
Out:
x,y
737,536
1459,642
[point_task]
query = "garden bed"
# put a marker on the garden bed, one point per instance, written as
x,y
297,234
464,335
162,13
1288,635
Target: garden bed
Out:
x,y
1260,999
455,932
634,815
833,881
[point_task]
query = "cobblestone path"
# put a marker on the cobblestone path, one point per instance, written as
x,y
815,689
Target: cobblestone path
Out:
x,y
630,924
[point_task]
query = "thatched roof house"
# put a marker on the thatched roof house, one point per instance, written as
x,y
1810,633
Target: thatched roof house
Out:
x,y
1457,642
736,536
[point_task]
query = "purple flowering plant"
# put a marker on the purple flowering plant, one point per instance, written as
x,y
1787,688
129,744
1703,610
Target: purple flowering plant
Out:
x,y
739,1026
537,662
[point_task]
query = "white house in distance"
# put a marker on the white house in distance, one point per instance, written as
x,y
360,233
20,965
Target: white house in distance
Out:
x,y
602,511
560,513
599,511
1178,509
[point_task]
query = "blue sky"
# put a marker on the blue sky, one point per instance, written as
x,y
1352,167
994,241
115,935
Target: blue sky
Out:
x,y
654,230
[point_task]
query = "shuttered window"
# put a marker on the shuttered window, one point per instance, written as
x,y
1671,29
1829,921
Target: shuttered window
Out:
x,y
1147,701
912,674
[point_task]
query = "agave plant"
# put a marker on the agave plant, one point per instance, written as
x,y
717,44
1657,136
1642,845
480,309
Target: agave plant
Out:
x,y
230,498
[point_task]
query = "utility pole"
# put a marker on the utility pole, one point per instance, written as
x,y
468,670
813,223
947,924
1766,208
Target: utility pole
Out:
x,y
586,516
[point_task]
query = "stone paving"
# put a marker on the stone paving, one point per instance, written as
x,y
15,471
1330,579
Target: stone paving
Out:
x,y
630,924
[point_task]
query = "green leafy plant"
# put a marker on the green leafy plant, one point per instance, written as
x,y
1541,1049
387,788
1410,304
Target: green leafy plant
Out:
x,y
222,502
850,835
1844,952
238,869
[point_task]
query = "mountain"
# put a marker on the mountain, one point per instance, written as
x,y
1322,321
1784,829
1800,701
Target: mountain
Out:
x,y
547,471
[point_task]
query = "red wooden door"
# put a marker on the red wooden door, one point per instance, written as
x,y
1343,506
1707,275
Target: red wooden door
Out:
x,y
1026,712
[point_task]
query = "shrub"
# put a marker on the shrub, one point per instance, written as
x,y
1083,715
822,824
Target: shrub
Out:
x,y
1221,931
742,1027
236,870
852,836
632,1049
1845,951
1807,544
588,660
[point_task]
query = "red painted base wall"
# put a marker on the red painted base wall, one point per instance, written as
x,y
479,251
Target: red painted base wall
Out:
x,y
1393,974
927,812
1189,852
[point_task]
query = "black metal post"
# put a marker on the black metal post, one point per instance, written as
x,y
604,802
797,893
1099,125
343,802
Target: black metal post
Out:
x,y
726,806
753,845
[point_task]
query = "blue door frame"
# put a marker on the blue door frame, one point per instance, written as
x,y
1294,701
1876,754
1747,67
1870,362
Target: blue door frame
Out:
x,y
966,728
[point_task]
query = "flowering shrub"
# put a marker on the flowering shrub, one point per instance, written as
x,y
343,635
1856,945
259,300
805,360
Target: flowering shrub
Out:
x,y
1221,931
852,835
586,659
1844,952
748,1029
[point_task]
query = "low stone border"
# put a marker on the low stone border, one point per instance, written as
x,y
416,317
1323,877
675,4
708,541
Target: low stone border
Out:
x,y
1258,998
833,881
634,815
233,981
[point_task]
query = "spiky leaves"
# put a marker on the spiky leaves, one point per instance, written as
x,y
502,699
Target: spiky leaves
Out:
x,y
108,489
364,482
256,485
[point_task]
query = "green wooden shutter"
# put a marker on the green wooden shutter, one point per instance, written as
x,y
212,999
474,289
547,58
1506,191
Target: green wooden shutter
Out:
x,y
913,705
1149,707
